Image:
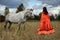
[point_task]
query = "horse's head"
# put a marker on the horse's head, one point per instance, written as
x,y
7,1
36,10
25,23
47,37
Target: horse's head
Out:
x,y
29,13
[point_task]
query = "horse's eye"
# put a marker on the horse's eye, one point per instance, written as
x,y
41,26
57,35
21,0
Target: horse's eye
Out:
x,y
31,13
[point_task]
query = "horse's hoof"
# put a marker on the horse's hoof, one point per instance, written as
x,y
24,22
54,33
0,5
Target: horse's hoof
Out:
x,y
18,28
4,28
9,30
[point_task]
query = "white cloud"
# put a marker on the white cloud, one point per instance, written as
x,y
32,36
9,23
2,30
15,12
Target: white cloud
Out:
x,y
2,7
55,10
51,2
36,12
12,10
2,10
50,8
37,8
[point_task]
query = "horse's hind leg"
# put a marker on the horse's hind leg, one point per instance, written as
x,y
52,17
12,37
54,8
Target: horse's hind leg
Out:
x,y
9,25
24,25
19,26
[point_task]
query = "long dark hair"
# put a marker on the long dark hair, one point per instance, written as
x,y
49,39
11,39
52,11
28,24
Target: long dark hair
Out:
x,y
45,10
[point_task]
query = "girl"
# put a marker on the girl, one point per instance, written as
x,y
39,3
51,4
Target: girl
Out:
x,y
45,25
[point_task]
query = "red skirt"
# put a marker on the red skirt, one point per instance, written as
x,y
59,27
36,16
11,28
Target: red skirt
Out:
x,y
45,25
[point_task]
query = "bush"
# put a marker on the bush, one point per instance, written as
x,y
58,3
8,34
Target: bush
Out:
x,y
2,18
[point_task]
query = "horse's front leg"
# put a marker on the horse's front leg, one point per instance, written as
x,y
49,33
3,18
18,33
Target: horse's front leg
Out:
x,y
10,23
24,25
19,24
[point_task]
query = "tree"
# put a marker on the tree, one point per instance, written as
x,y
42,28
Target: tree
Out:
x,y
2,18
40,15
37,17
58,17
20,8
51,17
6,11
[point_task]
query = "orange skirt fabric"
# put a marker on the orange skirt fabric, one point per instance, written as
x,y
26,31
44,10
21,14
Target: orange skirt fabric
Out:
x,y
45,25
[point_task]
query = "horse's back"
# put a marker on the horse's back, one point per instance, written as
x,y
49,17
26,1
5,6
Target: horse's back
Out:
x,y
15,17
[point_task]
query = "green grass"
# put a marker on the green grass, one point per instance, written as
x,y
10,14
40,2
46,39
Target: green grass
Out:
x,y
30,32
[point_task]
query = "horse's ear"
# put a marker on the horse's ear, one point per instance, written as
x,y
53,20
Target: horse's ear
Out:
x,y
31,9
17,11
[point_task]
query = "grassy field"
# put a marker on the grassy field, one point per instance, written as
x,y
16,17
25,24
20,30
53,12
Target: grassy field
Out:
x,y
30,32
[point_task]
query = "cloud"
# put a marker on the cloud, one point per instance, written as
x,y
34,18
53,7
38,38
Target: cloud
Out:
x,y
40,6
51,9
51,2
2,7
2,10
52,5
10,3
55,10
16,3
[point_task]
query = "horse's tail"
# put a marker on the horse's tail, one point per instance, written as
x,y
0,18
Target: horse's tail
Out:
x,y
6,17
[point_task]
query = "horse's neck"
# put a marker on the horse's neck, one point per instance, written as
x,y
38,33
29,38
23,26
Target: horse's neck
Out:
x,y
21,14
24,13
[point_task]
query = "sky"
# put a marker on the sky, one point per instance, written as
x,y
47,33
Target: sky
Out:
x,y
53,6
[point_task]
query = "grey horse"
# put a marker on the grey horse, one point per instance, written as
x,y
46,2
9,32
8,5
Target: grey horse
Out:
x,y
18,18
